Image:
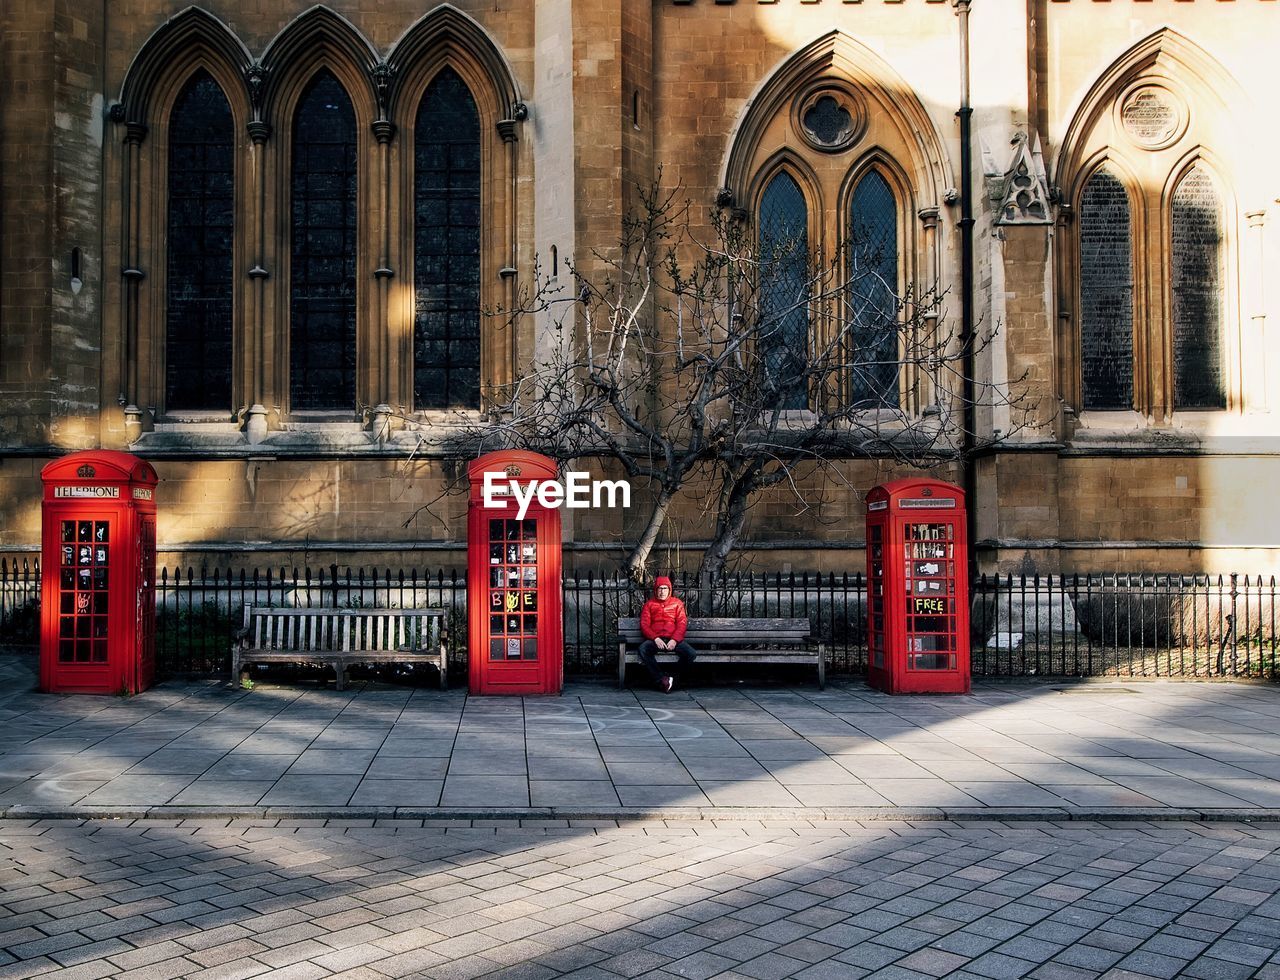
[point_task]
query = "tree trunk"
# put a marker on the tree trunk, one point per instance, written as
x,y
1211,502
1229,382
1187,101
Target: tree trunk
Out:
x,y
639,557
736,496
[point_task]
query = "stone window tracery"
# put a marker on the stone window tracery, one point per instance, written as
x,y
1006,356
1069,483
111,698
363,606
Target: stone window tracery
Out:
x,y
1106,294
1148,317
873,285
447,217
784,289
323,222
270,214
1196,288
200,230
1120,272
873,170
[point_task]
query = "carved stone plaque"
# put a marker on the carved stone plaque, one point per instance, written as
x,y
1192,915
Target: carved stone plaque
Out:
x,y
1151,117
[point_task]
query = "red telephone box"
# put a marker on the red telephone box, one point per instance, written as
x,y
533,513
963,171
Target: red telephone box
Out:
x,y
917,588
513,580
98,574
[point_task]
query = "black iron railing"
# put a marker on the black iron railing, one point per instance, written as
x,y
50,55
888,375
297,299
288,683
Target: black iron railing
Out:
x,y
1021,626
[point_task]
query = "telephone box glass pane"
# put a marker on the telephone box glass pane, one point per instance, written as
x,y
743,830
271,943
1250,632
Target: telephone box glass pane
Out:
x,y
513,589
82,604
932,661
930,578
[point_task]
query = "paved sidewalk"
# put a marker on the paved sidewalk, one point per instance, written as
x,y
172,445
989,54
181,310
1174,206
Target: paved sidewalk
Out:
x,y
1123,748
215,900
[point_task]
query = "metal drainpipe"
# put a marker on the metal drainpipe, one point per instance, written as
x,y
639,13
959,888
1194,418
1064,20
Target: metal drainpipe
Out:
x,y
964,114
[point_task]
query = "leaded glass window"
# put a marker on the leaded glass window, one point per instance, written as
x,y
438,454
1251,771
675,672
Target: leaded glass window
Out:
x,y
873,293
784,292
1197,278
322,334
446,328
199,239
1106,294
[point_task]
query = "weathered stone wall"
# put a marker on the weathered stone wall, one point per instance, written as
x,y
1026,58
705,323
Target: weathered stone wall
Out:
x,y
27,68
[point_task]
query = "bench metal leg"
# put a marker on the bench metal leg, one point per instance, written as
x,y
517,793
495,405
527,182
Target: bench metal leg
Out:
x,y
443,667
822,667
340,669
235,667
622,666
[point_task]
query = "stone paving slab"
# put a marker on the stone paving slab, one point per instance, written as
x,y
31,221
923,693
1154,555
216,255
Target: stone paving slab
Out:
x,y
1060,751
538,898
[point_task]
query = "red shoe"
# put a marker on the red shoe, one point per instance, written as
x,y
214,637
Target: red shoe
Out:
x,y
667,684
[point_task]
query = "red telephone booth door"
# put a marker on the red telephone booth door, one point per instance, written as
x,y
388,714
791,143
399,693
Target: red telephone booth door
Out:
x,y
146,603
87,603
513,583
877,671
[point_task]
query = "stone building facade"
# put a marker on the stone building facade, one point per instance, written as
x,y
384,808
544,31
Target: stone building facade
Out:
x,y
212,249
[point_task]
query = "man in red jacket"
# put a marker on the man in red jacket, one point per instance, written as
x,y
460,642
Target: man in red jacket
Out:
x,y
663,622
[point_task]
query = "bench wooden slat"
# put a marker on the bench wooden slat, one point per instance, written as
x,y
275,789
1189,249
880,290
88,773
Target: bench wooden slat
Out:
x,y
731,623
722,639
798,636
341,638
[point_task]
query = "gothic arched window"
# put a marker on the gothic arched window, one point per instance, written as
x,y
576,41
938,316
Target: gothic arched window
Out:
x,y
200,225
872,257
446,225
1106,294
322,309
1196,280
783,334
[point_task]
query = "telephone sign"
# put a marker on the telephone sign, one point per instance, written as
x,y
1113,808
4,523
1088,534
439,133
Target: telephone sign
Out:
x,y
917,588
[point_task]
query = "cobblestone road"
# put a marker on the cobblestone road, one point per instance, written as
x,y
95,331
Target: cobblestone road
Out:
x,y
230,899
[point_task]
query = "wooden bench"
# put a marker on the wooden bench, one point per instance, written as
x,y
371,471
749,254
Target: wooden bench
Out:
x,y
733,641
339,638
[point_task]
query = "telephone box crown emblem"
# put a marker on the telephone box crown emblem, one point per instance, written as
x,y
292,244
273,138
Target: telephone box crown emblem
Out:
x,y
512,470
86,471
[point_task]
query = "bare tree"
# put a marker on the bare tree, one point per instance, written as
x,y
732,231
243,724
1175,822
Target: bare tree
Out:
x,y
726,365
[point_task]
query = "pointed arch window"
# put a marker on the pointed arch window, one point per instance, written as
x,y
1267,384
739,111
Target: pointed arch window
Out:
x,y
784,291
322,308
1197,292
872,256
1106,294
200,226
446,225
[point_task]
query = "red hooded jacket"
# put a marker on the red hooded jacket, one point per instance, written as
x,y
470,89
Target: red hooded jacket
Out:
x,y
663,619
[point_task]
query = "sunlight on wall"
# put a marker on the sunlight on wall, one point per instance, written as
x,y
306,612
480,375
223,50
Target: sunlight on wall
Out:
x,y
922,48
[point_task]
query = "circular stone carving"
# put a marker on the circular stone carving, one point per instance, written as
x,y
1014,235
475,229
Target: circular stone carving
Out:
x,y
1152,117
829,119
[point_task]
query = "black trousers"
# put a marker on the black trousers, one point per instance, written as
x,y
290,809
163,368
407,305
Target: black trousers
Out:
x,y
649,649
